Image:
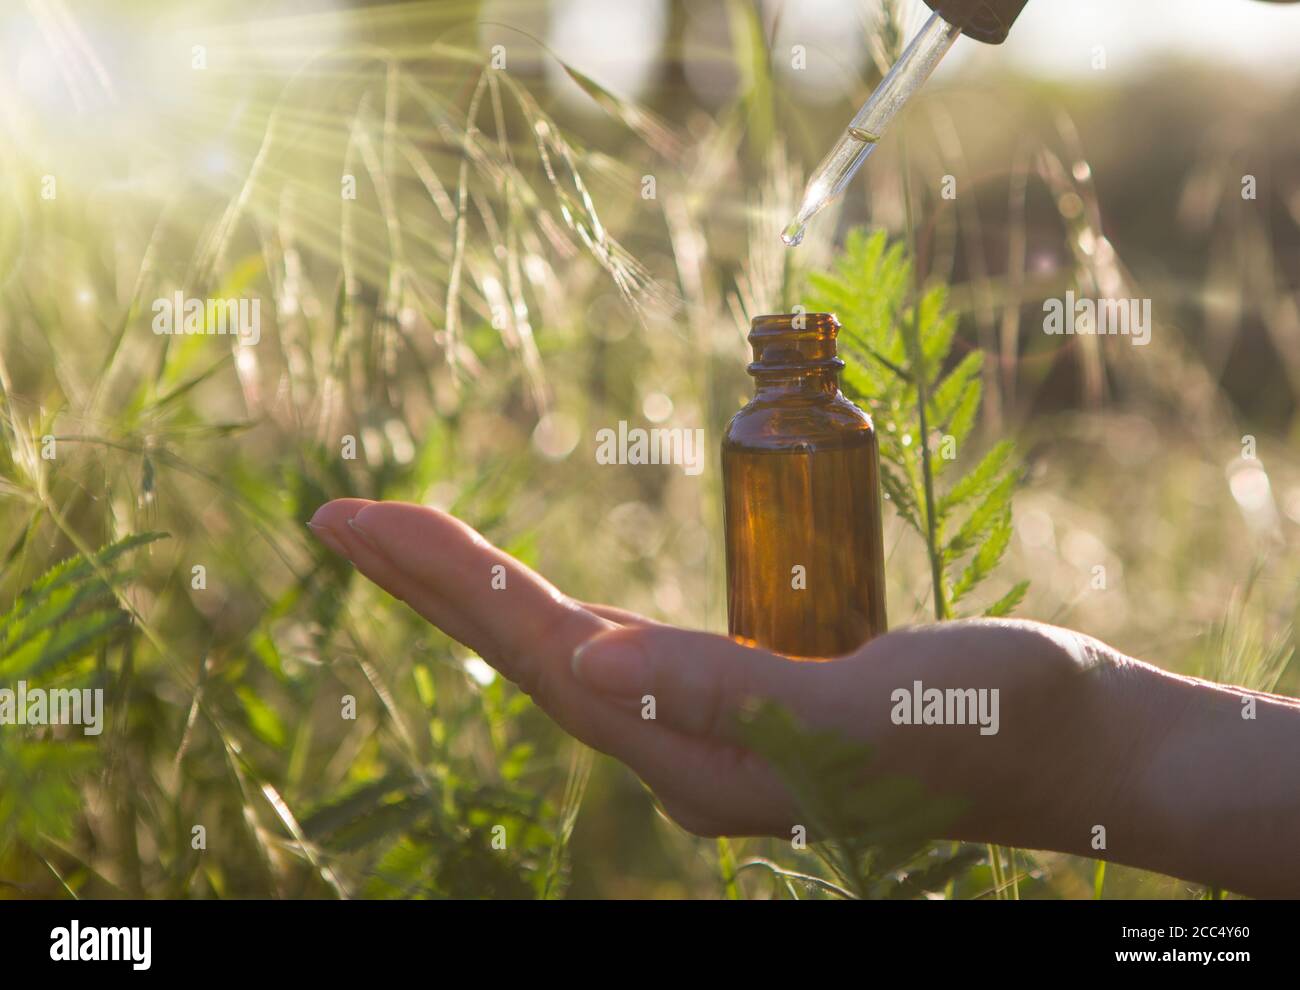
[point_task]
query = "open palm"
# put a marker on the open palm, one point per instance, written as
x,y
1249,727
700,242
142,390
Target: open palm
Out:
x,y
592,667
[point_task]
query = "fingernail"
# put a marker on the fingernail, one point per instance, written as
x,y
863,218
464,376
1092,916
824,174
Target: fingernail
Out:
x,y
328,538
611,666
363,536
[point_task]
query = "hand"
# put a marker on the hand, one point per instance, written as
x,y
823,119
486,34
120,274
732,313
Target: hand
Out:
x,y
590,667
1180,779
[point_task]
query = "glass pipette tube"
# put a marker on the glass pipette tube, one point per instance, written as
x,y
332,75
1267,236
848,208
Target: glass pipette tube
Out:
x,y
908,74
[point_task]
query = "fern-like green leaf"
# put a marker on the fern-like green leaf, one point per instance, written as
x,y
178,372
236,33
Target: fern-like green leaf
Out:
x,y
70,638
1008,602
896,351
64,612
981,522
962,420
979,480
62,616
937,329
986,558
947,395
74,570
879,825
900,494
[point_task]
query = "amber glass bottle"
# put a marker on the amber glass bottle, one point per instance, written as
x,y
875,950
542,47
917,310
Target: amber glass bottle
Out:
x,y
800,470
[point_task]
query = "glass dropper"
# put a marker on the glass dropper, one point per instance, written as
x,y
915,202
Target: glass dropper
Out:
x,y
908,74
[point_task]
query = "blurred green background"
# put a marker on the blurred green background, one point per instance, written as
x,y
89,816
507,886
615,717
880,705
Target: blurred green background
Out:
x,y
500,288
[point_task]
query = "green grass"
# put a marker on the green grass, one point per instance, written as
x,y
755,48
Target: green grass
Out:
x,y
499,290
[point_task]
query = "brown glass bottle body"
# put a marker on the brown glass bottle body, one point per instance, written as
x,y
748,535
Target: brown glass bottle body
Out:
x,y
801,479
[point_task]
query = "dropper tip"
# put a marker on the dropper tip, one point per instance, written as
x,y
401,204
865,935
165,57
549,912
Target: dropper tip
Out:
x,y
793,234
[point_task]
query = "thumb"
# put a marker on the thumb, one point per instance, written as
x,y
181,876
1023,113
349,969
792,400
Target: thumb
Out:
x,y
699,682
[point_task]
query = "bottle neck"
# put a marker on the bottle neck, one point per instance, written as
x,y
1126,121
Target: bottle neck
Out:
x,y
794,354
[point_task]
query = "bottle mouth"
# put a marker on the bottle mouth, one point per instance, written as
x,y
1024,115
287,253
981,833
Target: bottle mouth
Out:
x,y
795,343
818,325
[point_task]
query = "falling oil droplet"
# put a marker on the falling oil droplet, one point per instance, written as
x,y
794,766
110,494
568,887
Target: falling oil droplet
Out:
x,y
793,234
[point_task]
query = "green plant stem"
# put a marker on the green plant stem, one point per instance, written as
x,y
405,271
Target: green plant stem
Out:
x,y
921,378
995,866
789,875
727,868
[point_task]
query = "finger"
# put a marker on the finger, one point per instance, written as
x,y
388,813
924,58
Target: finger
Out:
x,y
451,575
332,525
700,682
503,610
529,630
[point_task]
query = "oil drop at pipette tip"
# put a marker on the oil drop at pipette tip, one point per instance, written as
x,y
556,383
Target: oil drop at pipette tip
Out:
x,y
829,180
793,234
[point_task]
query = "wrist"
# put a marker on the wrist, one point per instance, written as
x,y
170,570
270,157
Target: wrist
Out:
x,y
1092,725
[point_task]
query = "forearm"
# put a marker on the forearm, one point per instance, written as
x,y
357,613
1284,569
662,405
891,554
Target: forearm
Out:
x,y
1101,755
1215,794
